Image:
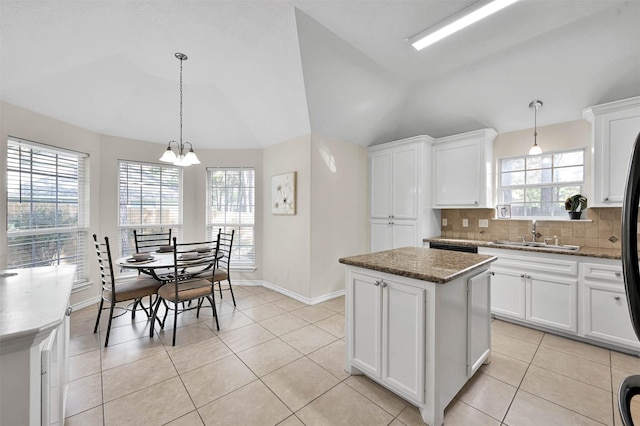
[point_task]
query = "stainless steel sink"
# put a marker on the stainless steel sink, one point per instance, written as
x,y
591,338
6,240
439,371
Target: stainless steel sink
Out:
x,y
535,244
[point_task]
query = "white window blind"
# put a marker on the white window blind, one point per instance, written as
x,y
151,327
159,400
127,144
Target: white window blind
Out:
x,y
150,196
47,206
231,206
538,185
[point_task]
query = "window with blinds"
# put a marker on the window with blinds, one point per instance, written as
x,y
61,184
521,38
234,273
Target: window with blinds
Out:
x,y
231,206
47,206
150,197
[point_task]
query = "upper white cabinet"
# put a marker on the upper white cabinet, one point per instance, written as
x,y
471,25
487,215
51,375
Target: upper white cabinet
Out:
x,y
462,170
400,194
615,126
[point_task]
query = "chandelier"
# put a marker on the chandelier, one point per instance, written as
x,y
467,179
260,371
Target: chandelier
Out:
x,y
535,149
184,157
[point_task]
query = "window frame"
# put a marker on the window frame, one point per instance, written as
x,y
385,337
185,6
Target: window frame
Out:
x,y
126,242
553,184
79,229
212,227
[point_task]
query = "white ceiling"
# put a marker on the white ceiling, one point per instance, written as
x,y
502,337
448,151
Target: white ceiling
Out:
x,y
264,71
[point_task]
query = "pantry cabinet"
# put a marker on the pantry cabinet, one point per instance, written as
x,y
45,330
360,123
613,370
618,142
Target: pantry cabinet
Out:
x,y
399,194
462,170
615,126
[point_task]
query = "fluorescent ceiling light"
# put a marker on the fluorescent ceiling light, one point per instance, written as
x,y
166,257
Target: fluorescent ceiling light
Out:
x,y
455,23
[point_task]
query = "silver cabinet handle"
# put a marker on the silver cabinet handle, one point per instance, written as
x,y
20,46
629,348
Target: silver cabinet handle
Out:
x,y
384,284
521,275
617,298
527,276
617,274
492,273
606,199
68,311
377,283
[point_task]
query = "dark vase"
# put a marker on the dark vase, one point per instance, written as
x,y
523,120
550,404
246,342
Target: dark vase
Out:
x,y
575,215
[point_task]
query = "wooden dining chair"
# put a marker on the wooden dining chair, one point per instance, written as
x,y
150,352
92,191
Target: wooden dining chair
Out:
x,y
114,293
223,269
191,261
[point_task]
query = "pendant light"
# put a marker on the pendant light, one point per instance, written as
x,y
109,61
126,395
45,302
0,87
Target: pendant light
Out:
x,y
182,159
535,149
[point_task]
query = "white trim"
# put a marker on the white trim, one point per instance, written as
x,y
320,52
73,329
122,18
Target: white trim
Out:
x,y
291,294
85,303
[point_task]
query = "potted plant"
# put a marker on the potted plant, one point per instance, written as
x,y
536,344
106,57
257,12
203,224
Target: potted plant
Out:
x,y
575,205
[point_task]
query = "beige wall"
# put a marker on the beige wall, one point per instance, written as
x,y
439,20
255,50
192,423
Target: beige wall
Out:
x,y
339,210
287,239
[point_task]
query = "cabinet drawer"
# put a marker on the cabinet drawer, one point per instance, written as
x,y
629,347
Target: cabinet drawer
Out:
x,y
544,265
608,273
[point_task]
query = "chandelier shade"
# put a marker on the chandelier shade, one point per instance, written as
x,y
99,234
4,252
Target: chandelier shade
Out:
x,y
185,156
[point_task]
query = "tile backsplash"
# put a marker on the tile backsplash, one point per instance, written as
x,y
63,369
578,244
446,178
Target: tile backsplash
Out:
x,y
600,227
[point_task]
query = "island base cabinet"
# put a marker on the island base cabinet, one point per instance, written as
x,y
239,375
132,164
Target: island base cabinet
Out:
x,y
419,339
387,325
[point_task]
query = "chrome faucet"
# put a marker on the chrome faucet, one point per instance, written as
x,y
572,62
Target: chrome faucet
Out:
x,y
534,231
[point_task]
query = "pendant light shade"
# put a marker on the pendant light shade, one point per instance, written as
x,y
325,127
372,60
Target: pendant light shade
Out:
x,y
535,149
184,157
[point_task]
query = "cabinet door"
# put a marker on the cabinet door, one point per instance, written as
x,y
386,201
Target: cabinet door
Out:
x,y
614,142
478,321
607,315
380,181
457,174
404,233
508,293
552,302
366,324
404,183
403,339
380,235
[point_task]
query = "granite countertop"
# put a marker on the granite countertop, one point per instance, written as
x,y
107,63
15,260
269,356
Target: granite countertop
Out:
x,y
584,251
424,264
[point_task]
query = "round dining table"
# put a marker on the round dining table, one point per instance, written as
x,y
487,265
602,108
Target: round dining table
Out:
x,y
157,262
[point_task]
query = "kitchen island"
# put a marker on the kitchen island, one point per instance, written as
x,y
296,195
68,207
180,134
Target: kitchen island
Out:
x,y
418,322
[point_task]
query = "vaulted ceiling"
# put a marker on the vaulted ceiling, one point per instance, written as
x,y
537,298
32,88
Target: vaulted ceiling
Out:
x,y
264,71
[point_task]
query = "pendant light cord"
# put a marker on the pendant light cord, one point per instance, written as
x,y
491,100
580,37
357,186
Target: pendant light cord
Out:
x,y
181,104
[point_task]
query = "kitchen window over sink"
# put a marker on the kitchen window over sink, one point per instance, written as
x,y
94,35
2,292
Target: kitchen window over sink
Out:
x,y
538,185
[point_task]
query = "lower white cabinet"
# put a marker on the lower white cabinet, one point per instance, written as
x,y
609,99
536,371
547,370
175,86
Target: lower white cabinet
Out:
x,y
391,234
605,305
575,295
388,328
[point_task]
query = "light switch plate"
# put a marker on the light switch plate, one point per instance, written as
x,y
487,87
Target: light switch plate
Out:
x,y
444,222
465,223
483,223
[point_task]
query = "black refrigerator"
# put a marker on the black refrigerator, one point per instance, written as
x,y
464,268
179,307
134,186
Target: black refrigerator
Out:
x,y
631,385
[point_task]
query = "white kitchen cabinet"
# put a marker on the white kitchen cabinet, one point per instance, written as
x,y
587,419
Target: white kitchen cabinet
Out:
x,y
388,328
462,170
399,194
606,313
535,288
615,126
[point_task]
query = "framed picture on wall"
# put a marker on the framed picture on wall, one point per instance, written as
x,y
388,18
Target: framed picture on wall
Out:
x,y
283,194
503,211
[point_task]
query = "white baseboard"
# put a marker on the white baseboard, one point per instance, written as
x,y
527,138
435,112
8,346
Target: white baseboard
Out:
x,y
289,293
85,303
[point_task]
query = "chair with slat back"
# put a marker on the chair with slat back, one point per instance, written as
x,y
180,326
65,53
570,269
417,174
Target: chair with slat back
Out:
x,y
222,272
114,293
184,286
151,241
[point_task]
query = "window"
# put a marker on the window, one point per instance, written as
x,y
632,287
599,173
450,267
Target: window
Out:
x,y
150,196
538,185
47,220
231,206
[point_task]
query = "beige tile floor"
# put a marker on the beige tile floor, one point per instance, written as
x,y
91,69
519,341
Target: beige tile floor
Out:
x,y
278,361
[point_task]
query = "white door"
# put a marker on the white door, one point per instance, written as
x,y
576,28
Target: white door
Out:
x,y
366,320
403,338
404,233
552,302
404,183
478,321
380,184
380,235
508,293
